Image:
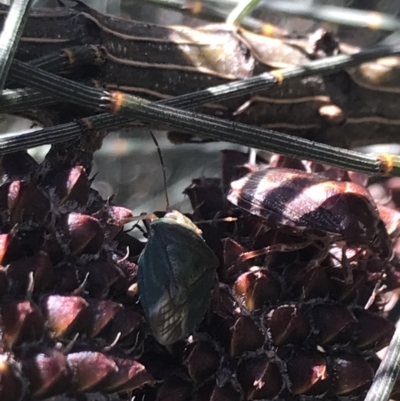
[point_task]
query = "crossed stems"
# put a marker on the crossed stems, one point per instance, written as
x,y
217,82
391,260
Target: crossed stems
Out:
x,y
170,112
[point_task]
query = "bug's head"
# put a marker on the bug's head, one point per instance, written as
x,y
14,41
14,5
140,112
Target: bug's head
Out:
x,y
381,242
362,224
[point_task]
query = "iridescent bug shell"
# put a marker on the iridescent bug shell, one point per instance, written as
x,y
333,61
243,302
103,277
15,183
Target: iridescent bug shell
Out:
x,y
309,201
175,277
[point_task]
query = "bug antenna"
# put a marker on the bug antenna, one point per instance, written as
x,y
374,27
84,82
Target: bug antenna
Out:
x,y
163,168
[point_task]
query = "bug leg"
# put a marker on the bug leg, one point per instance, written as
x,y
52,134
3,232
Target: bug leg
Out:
x,y
346,266
245,256
216,300
321,255
378,289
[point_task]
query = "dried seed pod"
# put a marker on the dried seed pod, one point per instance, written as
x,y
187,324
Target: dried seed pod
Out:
x,y
63,314
118,216
175,276
351,374
17,166
52,373
287,325
86,233
246,336
256,289
90,370
21,322
207,196
69,184
175,389
38,267
260,378
201,360
129,375
12,386
333,323
10,247
100,275
100,314
129,326
308,374
68,315
372,331
47,372
306,284
218,392
308,201
231,253
26,199
343,290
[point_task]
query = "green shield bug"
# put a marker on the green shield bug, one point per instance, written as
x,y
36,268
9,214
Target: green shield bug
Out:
x,y
175,277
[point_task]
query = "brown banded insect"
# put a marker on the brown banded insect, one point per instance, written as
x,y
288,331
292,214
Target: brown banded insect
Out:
x,y
308,201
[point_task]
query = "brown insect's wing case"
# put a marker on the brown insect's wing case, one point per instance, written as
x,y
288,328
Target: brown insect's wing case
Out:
x,y
309,201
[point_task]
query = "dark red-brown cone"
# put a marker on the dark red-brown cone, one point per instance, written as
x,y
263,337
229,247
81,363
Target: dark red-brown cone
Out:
x,y
300,321
296,315
68,327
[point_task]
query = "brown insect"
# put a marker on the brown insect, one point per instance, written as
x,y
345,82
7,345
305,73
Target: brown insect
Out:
x,y
308,201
